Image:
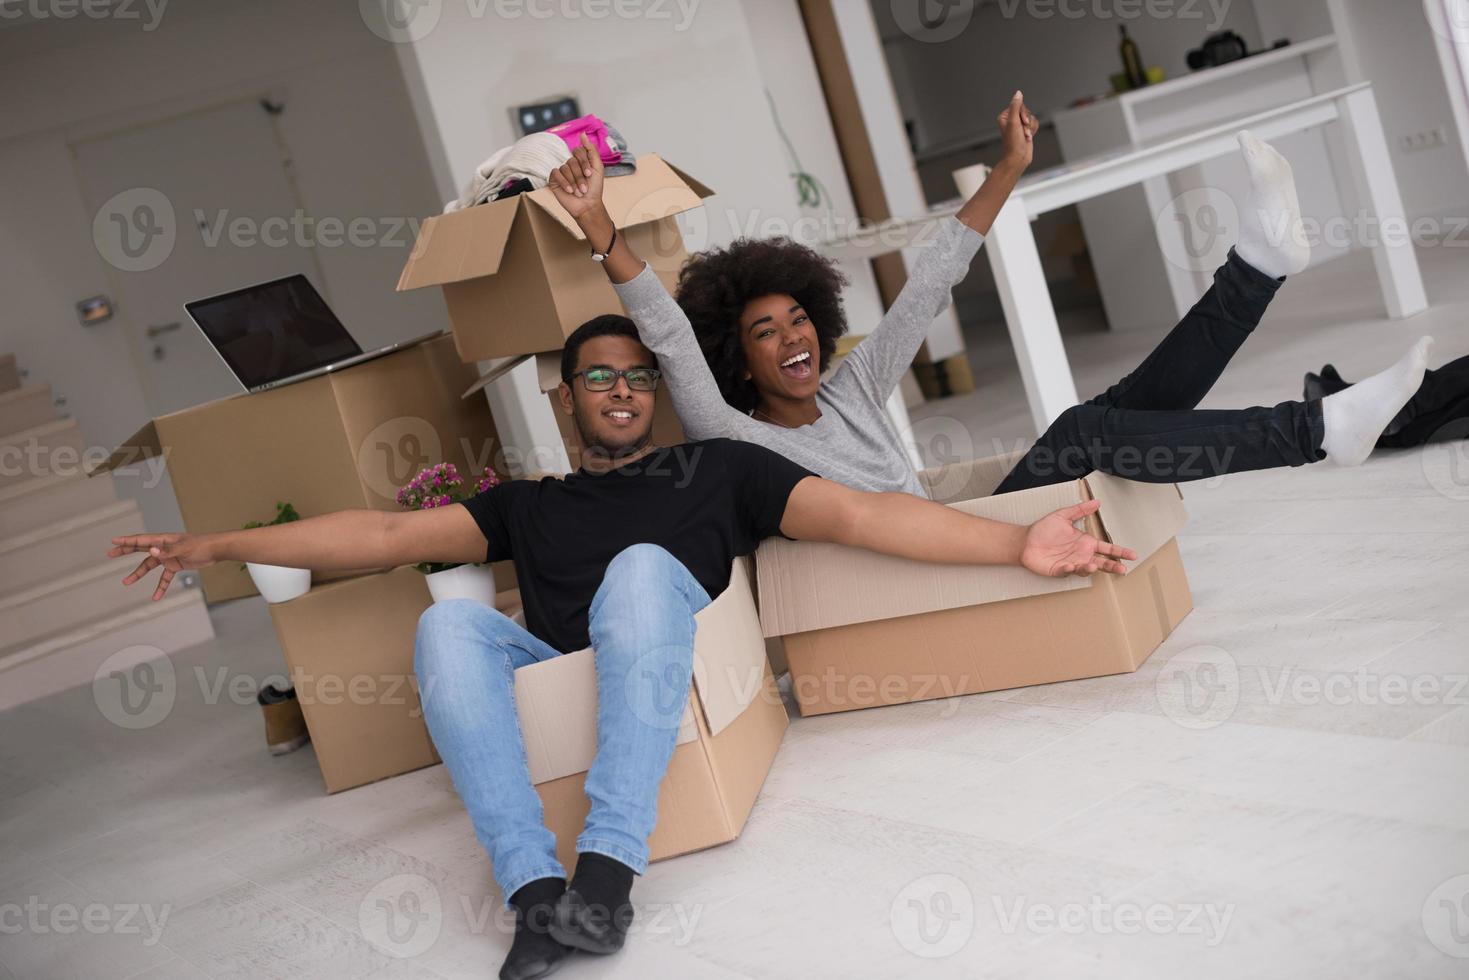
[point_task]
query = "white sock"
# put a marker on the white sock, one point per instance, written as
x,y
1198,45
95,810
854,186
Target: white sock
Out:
x,y
1356,417
1271,237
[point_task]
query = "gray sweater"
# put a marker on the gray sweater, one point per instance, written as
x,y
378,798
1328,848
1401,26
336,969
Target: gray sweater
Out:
x,y
854,441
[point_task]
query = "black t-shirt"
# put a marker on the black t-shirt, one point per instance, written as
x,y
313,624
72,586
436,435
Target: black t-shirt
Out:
x,y
704,502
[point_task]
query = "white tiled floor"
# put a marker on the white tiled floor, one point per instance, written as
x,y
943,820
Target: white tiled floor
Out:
x,y
1309,820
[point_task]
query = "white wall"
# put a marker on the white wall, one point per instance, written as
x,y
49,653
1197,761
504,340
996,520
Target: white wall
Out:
x,y
1298,20
789,74
1392,46
686,81
953,88
355,147
690,91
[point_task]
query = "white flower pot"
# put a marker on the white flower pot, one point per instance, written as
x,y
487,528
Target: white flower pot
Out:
x,y
475,582
278,583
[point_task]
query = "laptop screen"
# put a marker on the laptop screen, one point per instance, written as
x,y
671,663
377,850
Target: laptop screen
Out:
x,y
273,330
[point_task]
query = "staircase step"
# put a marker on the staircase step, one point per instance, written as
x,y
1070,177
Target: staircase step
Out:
x,y
25,408
53,448
68,545
71,657
75,597
9,372
29,504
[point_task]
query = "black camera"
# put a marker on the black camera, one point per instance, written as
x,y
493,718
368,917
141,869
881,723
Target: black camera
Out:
x,y
1218,49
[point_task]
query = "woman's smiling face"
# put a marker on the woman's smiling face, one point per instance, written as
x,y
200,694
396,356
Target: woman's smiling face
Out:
x,y
782,353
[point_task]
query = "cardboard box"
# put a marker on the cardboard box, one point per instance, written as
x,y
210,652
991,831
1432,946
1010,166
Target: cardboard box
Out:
x,y
361,631
863,629
726,743
346,439
517,275
349,647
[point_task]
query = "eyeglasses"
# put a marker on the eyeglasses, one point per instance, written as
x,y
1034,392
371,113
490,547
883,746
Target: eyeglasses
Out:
x,y
605,378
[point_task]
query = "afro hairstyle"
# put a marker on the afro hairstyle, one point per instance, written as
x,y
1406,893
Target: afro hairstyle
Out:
x,y
715,285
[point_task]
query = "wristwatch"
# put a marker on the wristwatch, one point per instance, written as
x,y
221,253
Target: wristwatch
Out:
x,y
602,256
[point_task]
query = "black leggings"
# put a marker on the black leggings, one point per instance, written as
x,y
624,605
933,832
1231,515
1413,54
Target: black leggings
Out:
x,y
1146,428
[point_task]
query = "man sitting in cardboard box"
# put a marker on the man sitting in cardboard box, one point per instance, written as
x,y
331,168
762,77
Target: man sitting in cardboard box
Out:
x,y
618,556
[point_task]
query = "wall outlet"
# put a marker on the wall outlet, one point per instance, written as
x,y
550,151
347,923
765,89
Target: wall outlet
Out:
x,y
1428,139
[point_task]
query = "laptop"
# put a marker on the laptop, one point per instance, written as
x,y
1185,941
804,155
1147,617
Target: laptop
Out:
x,y
279,332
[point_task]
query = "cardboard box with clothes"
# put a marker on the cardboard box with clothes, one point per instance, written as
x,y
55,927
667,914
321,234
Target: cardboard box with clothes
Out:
x,y
516,275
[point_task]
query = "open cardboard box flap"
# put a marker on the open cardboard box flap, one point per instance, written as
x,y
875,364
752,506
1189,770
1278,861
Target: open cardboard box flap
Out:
x,y
497,369
656,190
1140,516
143,444
557,698
470,243
460,245
809,586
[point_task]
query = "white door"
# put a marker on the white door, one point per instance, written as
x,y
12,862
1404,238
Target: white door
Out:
x,y
186,208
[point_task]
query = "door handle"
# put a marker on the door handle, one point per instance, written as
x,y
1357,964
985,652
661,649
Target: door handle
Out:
x,y
158,329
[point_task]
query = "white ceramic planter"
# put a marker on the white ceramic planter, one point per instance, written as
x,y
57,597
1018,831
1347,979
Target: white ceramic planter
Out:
x,y
475,582
277,583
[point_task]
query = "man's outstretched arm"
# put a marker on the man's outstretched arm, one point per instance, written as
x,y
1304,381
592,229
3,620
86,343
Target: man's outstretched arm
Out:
x,y
345,539
910,527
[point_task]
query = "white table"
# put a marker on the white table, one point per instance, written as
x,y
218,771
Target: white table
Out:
x,y
1131,254
1016,262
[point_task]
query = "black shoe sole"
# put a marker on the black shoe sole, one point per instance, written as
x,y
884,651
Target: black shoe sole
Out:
x,y
550,969
565,932
576,940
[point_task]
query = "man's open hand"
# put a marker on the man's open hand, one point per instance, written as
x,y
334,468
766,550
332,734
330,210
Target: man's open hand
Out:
x,y
1055,547
174,552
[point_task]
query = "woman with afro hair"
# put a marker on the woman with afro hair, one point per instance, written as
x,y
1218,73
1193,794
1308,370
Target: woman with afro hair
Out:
x,y
754,327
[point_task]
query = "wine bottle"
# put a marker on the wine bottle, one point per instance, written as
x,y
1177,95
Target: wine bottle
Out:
x,y
1132,61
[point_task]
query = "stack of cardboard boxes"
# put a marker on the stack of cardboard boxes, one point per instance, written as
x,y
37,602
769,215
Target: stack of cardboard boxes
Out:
x,y
346,439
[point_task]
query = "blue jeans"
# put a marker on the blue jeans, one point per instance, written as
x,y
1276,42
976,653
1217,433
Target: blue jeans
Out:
x,y
642,631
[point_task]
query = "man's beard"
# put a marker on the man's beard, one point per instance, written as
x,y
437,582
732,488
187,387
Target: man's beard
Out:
x,y
603,448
